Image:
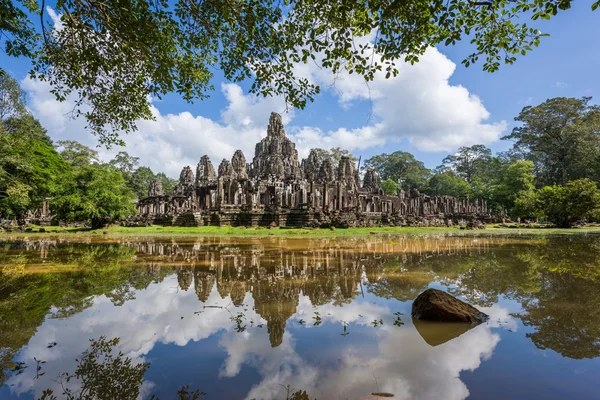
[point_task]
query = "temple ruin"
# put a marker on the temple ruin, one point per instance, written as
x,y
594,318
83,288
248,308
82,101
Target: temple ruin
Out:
x,y
275,189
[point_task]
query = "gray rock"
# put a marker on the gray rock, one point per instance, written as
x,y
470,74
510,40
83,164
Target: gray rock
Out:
x,y
435,305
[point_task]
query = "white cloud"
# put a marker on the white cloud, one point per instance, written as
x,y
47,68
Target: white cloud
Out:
x,y
402,362
58,25
153,317
419,105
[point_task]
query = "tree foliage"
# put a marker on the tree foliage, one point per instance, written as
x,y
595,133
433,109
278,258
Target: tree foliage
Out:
x,y
102,374
12,98
168,184
514,181
562,138
565,205
390,187
30,168
400,166
113,56
77,154
95,193
138,178
447,184
469,162
333,155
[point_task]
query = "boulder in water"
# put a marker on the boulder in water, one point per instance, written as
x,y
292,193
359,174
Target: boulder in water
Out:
x,y
435,305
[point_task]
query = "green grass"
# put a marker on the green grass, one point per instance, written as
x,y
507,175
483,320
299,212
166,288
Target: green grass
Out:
x,y
158,231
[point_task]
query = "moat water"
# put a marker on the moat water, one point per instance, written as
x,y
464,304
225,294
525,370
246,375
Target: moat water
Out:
x,y
267,318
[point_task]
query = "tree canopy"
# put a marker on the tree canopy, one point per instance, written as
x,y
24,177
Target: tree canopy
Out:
x,y
400,166
95,193
469,162
447,184
514,181
390,187
30,167
138,178
113,56
562,137
12,98
564,205
77,184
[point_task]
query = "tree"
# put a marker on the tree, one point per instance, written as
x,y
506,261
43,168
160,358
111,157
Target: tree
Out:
x,y
113,57
562,138
447,184
527,205
30,168
469,162
512,182
12,98
400,165
103,375
168,184
77,154
140,181
139,178
125,163
94,193
565,205
334,155
390,187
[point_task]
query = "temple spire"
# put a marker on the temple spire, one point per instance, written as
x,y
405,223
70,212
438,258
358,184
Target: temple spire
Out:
x,y
275,127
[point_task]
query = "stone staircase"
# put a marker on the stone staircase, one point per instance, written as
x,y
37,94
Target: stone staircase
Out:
x,y
188,219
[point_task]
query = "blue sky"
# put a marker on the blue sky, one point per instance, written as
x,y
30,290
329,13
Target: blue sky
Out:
x,y
432,109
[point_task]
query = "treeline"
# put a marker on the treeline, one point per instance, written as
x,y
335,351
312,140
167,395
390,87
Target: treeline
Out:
x,y
77,185
551,171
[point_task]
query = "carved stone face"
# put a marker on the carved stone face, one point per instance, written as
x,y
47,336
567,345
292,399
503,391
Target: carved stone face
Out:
x,y
225,169
346,171
311,166
186,177
205,170
238,162
155,188
326,174
372,181
186,182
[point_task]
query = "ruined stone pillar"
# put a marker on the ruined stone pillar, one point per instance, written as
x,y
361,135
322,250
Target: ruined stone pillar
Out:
x,y
220,192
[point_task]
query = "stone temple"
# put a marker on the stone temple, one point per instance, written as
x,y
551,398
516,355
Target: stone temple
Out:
x,y
275,189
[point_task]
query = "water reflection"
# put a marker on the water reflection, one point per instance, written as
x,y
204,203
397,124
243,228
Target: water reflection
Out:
x,y
246,310
434,333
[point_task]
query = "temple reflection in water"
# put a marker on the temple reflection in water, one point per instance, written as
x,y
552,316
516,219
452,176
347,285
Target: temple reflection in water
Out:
x,y
250,307
276,271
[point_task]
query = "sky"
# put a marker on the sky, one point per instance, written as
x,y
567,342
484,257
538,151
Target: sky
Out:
x,y
430,109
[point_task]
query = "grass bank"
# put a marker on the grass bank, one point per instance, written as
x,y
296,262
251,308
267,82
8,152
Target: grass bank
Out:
x,y
163,231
